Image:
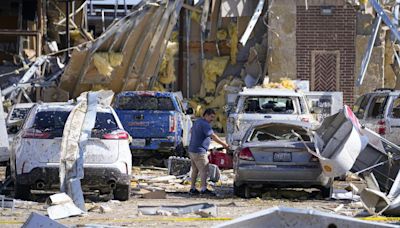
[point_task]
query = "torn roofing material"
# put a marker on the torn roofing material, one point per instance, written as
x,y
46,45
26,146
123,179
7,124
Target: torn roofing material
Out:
x,y
140,39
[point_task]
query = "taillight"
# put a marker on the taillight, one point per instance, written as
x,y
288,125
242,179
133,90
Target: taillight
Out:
x,y
245,154
35,134
118,134
381,127
172,124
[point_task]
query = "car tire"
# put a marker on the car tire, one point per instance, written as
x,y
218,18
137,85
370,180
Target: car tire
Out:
x,y
240,191
122,192
326,192
22,192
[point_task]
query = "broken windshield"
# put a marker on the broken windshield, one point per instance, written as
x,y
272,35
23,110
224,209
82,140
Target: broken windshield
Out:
x,y
275,132
145,103
270,105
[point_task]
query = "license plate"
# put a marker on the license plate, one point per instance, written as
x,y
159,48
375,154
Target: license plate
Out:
x,y
283,157
139,142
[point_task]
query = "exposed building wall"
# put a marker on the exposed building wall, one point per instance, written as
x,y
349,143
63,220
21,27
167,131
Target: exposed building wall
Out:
x,y
282,40
334,34
374,77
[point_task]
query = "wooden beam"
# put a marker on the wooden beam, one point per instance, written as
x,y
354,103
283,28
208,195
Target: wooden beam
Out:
x,y
216,4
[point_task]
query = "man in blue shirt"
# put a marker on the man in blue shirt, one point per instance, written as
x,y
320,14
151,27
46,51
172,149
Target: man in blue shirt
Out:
x,y
201,135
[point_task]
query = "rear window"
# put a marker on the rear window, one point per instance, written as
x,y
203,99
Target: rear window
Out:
x,y
145,103
275,132
271,105
377,107
19,113
54,122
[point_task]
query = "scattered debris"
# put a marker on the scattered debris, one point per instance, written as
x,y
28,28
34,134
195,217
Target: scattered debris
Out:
x,y
209,210
289,217
62,206
155,194
338,142
178,166
344,195
36,220
105,209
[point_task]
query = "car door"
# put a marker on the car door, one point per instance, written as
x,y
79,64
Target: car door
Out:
x,y
393,119
186,123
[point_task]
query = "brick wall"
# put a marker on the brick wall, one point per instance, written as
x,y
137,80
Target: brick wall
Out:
x,y
336,32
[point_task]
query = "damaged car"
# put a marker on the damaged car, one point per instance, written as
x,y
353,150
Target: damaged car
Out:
x,y
35,156
273,154
256,105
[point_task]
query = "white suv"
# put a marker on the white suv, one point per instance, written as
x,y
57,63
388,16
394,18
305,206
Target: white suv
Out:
x,y
380,111
36,152
257,105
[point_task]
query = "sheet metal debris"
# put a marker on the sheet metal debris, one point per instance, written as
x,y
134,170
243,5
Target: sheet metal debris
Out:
x,y
76,132
204,208
62,207
293,217
338,142
37,220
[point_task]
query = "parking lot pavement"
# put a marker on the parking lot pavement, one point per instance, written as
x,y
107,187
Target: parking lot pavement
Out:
x,y
110,212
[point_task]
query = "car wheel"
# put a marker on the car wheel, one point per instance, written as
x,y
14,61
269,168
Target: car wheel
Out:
x,y
239,191
122,192
22,192
326,192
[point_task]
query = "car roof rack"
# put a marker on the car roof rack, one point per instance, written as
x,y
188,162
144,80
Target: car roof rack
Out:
x,y
384,89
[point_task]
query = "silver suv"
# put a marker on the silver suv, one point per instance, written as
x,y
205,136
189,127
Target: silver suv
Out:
x,y
380,111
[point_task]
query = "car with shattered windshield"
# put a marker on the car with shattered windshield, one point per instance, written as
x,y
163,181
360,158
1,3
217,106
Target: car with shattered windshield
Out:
x,y
274,155
257,105
35,156
157,122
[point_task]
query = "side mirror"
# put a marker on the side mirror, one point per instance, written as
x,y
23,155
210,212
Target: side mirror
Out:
x,y
189,111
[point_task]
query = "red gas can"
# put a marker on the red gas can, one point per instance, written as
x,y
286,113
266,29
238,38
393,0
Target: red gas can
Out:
x,y
220,159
